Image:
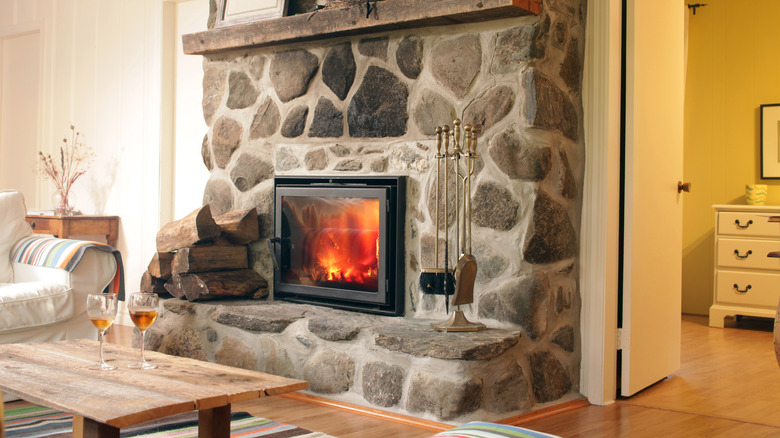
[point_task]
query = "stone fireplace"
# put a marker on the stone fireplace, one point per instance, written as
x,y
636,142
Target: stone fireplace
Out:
x,y
367,105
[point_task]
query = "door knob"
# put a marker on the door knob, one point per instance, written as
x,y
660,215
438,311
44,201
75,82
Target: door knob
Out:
x,y
683,187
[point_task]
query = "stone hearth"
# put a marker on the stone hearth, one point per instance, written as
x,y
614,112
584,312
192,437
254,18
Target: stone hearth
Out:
x,y
368,105
396,364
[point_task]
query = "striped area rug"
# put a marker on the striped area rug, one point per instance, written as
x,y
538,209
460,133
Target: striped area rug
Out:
x,y
30,421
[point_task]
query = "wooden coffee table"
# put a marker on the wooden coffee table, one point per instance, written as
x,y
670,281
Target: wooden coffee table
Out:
x,y
58,375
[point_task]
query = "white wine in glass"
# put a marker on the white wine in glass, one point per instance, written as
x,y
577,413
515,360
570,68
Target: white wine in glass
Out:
x,y
101,309
143,309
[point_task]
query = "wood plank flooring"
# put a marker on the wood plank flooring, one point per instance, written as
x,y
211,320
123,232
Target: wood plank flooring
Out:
x,y
728,385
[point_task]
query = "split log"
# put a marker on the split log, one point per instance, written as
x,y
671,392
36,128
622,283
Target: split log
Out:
x,y
151,284
196,227
160,266
209,258
244,283
173,286
240,226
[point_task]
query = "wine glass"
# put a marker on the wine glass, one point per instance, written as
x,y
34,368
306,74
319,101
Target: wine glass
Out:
x,y
143,309
101,309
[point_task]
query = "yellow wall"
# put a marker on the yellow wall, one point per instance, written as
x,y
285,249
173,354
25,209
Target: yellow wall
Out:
x,y
733,67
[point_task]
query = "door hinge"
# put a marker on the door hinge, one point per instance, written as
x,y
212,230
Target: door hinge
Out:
x,y
620,341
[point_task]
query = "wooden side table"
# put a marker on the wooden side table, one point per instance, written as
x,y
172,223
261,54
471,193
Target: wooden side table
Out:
x,y
65,227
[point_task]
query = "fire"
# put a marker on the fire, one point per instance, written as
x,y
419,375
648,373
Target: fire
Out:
x,y
340,242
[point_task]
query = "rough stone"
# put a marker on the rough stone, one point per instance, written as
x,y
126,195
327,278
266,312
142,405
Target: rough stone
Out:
x,y
417,339
184,343
540,42
553,236
329,372
489,108
547,107
242,93
338,69
383,383
205,152
218,195
213,91
235,353
316,159
327,121
432,111
374,47
456,62
379,107
494,207
513,48
491,263
340,150
331,329
510,392
295,122
291,72
407,158
259,318
559,34
274,359
522,301
571,66
564,338
348,165
378,165
256,67
262,200
550,381
286,160
226,138
442,398
568,185
409,55
519,158
562,300
266,121
250,170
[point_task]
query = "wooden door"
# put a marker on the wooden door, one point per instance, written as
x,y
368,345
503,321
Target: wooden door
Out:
x,y
652,259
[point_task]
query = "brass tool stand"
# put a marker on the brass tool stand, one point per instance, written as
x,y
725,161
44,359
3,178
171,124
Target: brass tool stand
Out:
x,y
466,267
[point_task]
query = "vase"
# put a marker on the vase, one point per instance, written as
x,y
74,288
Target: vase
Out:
x,y
755,194
62,204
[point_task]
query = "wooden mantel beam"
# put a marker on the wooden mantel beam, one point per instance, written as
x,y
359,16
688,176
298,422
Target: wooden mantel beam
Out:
x,y
330,23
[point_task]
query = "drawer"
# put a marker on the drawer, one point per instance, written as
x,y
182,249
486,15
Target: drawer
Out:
x,y
747,224
757,288
747,253
41,225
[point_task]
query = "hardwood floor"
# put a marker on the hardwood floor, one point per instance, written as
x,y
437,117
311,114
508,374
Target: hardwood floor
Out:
x,y
728,385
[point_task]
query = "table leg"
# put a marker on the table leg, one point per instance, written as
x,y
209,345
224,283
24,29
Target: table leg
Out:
x,y
87,428
214,422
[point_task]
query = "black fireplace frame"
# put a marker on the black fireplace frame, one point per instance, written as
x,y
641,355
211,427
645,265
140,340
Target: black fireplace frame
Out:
x,y
391,192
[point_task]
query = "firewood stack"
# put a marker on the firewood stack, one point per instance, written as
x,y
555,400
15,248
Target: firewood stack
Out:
x,y
200,257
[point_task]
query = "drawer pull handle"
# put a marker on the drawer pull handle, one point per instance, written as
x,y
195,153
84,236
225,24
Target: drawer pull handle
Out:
x,y
736,251
750,222
32,224
747,288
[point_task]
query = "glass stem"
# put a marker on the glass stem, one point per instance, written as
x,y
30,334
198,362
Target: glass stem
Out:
x,y
100,338
143,342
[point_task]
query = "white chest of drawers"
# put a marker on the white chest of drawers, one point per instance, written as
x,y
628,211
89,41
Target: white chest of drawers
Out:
x,y
747,282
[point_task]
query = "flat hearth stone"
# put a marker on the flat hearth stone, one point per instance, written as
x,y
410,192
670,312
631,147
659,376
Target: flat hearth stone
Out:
x,y
256,317
418,339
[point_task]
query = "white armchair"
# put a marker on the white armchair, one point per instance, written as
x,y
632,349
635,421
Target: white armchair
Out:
x,y
40,303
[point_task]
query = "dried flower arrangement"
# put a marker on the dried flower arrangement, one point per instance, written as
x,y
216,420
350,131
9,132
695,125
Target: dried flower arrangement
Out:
x,y
73,161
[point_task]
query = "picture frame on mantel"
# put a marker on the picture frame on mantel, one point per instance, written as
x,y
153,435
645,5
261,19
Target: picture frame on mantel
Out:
x,y
770,141
230,12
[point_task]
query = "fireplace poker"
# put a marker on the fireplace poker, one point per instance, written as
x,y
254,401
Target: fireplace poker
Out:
x,y
432,280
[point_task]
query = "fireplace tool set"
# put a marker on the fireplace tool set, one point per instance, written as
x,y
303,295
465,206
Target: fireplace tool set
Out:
x,y
456,280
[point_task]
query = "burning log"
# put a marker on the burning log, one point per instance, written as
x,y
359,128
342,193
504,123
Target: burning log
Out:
x,y
160,266
239,226
152,284
209,258
244,283
197,227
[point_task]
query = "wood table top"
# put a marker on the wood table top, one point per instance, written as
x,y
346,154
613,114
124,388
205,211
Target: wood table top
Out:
x,y
58,375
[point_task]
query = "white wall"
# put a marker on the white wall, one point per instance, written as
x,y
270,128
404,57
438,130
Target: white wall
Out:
x,y
101,71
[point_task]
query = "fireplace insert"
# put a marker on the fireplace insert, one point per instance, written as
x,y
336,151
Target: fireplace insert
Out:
x,y
339,242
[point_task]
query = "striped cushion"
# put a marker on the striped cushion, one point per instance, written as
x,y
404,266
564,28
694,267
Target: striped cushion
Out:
x,y
64,254
479,429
